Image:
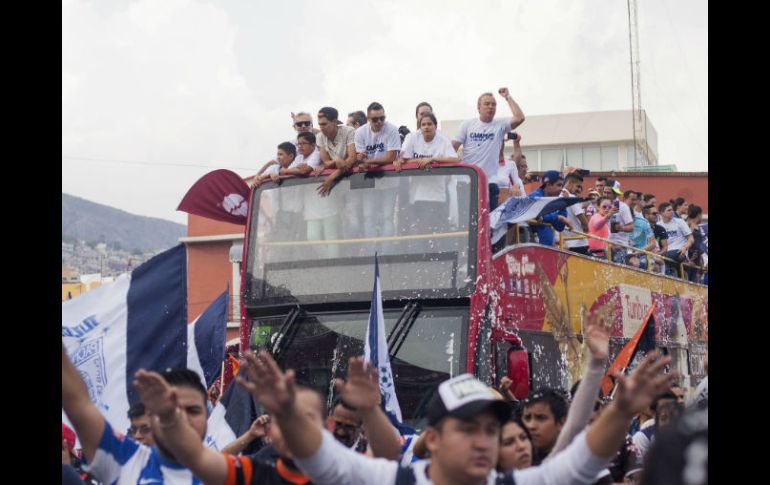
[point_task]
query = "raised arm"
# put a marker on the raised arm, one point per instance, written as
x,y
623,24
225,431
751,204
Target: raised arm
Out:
x,y
170,426
518,114
634,394
362,391
84,415
256,430
517,150
597,339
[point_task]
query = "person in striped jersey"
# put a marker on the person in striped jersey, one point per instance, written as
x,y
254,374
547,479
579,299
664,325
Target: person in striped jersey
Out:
x,y
114,458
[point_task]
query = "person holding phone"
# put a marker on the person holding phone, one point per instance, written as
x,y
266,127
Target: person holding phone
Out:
x,y
598,226
622,222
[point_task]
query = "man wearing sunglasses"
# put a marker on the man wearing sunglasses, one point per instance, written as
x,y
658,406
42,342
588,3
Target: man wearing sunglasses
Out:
x,y
303,122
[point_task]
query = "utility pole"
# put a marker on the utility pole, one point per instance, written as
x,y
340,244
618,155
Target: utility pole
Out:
x,y
642,154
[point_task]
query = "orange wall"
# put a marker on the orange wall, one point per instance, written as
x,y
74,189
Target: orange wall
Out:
x,y
201,226
693,186
208,272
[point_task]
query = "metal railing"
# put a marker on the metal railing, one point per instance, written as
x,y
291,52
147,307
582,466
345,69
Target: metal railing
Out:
x,y
651,255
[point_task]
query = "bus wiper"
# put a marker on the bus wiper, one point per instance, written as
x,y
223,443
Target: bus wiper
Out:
x,y
403,327
286,333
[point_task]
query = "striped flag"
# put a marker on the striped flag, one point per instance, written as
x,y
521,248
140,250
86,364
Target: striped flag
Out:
x,y
521,209
231,417
206,340
138,321
642,342
376,350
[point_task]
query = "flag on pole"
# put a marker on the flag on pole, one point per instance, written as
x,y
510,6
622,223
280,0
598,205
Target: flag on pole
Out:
x,y
206,340
376,350
642,342
522,209
232,416
139,321
221,195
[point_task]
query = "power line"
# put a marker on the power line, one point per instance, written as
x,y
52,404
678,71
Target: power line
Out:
x,y
162,164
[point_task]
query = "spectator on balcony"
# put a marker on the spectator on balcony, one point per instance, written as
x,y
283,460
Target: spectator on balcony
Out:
x,y
356,119
680,238
622,223
598,226
652,215
680,206
551,186
576,218
642,237
698,249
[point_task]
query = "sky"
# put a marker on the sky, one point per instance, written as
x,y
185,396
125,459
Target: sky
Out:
x,y
156,93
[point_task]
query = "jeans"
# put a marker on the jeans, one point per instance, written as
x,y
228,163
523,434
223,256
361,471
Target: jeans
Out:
x,y
494,192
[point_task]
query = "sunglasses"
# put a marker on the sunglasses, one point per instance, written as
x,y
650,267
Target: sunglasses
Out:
x,y
143,430
303,123
377,119
606,206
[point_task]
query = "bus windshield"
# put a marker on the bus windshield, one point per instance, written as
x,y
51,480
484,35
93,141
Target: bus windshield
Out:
x,y
320,345
304,248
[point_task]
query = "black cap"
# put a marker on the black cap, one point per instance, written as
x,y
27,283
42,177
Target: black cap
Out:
x,y
330,114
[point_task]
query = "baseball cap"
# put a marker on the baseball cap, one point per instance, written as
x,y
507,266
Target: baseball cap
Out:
x,y
616,188
330,114
550,176
463,397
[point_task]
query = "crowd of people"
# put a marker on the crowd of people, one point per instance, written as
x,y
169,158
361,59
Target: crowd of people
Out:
x,y
473,434
669,233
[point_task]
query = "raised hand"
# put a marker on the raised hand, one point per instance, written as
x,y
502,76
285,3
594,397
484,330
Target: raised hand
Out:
x,y
505,389
637,391
503,92
258,428
362,388
156,395
271,387
597,336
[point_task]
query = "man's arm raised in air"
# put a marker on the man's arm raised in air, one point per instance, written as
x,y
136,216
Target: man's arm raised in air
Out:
x,y
170,425
518,114
84,415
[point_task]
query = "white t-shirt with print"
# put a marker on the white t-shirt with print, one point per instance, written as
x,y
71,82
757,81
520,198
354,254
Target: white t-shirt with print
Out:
x,y
376,144
482,141
430,189
677,231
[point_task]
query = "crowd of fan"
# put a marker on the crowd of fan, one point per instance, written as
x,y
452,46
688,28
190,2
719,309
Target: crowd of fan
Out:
x,y
474,434
628,219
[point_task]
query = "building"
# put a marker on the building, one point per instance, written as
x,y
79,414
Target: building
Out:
x,y
214,251
600,141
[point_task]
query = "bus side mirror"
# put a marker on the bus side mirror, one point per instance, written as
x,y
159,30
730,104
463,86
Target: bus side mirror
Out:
x,y
518,372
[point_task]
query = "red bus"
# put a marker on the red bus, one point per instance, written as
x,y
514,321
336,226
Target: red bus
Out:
x,y
450,305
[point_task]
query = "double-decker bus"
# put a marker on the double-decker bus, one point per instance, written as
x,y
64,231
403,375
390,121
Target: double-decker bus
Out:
x,y
450,305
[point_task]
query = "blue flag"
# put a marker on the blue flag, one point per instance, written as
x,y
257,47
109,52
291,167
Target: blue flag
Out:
x,y
376,350
138,321
522,209
206,340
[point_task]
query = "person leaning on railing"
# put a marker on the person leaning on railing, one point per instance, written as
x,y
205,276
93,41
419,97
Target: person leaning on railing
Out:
x,y
598,226
680,238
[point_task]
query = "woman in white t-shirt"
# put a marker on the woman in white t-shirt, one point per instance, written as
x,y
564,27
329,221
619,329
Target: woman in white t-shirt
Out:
x,y
429,208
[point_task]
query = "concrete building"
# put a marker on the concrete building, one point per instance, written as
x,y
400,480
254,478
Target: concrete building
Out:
x,y
600,141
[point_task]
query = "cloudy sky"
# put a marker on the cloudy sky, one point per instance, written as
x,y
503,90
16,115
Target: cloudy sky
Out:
x,y
156,93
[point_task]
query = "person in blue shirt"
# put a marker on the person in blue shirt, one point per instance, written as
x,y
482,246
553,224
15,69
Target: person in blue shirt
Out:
x,y
551,186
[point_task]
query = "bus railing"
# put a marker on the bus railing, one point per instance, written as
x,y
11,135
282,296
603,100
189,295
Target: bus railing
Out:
x,y
652,256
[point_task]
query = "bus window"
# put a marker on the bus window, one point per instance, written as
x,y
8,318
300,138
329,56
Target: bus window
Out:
x,y
310,249
431,353
548,366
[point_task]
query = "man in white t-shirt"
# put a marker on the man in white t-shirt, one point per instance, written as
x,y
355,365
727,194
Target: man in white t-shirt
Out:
x,y
482,137
573,186
680,238
378,143
621,224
